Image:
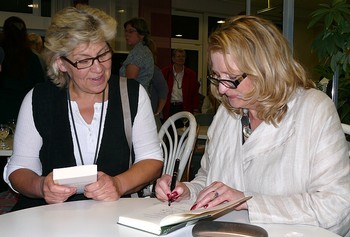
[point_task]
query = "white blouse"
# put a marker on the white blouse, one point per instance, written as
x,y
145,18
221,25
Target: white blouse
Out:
x,y
27,140
297,173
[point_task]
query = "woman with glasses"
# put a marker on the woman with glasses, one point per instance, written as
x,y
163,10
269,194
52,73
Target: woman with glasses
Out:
x,y
139,64
274,137
77,119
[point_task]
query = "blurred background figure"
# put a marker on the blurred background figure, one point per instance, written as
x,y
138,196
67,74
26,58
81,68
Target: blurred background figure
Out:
x,y
2,55
21,69
158,89
37,45
139,64
183,86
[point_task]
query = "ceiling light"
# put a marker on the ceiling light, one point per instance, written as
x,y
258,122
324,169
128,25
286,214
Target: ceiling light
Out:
x,y
33,5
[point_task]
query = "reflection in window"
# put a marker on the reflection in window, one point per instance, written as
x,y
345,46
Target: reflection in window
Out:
x,y
185,27
16,6
214,23
22,6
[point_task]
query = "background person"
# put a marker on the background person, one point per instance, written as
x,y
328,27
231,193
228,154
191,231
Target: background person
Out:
x,y
274,137
37,45
159,89
183,86
21,68
77,118
139,64
2,56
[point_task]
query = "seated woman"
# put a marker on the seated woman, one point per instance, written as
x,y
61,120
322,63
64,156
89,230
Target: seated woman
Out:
x,y
274,137
77,119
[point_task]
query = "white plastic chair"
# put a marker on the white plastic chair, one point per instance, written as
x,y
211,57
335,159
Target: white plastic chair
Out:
x,y
177,142
346,128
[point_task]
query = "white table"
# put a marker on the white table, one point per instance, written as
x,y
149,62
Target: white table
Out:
x,y
96,219
9,142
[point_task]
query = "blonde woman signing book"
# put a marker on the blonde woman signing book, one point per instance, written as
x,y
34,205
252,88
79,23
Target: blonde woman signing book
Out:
x,y
274,137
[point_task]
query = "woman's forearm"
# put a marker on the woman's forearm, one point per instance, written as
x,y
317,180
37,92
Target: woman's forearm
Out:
x,y
139,175
27,182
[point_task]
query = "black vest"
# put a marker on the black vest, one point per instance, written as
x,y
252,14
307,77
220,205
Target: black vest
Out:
x,y
50,112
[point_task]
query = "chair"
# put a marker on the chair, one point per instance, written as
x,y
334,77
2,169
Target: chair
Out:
x,y
175,145
346,128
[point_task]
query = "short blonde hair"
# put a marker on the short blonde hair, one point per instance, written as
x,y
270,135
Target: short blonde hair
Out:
x,y
259,49
69,28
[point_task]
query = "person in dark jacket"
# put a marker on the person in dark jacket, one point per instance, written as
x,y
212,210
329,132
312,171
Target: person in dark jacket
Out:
x,y
21,69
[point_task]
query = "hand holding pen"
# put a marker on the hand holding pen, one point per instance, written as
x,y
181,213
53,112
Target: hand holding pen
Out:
x,y
173,179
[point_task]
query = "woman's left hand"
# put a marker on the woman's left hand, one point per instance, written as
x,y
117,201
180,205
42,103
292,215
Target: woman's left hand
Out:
x,y
105,189
217,193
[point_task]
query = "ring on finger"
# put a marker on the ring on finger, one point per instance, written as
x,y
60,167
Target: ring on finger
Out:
x,y
216,194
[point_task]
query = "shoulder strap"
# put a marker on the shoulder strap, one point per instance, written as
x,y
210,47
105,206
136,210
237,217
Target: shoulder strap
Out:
x,y
126,112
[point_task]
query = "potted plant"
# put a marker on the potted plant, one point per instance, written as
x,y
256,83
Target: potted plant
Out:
x,y
332,46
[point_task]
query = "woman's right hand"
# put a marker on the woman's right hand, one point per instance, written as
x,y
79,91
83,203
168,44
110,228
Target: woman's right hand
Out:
x,y
163,193
54,193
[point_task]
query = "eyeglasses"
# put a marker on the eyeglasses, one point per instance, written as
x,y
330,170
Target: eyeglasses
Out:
x,y
231,84
130,31
88,62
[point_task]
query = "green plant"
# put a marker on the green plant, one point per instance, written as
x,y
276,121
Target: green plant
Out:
x,y
332,46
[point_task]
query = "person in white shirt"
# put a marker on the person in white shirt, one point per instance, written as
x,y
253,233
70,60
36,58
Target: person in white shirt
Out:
x,y
76,118
274,137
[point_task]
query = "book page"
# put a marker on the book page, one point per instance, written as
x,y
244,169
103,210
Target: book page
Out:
x,y
160,214
159,210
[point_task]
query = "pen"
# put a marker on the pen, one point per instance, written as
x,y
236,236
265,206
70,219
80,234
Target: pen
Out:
x,y
174,178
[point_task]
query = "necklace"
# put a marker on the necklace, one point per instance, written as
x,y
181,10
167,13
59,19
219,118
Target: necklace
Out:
x,y
179,84
246,128
75,130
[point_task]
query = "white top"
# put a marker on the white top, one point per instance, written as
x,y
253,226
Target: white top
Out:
x,y
297,173
176,93
145,138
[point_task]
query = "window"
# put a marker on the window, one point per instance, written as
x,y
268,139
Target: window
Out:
x,y
27,6
185,27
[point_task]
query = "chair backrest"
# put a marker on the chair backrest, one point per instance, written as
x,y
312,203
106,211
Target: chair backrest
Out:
x,y
346,129
177,142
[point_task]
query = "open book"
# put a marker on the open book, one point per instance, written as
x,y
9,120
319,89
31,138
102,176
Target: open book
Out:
x,y
161,219
76,176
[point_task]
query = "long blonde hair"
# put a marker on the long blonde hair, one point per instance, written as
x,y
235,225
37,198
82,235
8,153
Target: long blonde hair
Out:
x,y
259,49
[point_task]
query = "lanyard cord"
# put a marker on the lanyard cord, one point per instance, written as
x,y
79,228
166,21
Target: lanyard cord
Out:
x,y
75,130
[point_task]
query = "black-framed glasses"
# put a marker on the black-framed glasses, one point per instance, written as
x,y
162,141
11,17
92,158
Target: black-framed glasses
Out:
x,y
88,62
130,31
231,84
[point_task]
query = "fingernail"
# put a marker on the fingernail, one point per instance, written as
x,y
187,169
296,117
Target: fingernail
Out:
x,y
206,206
193,207
168,195
174,194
